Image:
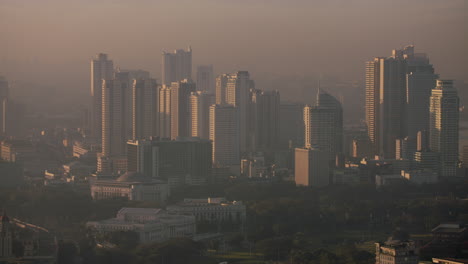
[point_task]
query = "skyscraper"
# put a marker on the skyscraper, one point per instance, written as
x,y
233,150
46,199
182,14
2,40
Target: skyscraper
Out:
x,y
101,69
324,125
386,101
224,132
114,134
292,125
221,86
200,103
311,167
238,95
181,161
444,115
180,108
144,108
205,78
164,113
264,124
4,96
176,66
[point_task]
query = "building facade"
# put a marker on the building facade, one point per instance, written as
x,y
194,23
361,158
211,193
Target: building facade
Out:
x,y
312,167
444,126
176,66
211,209
151,225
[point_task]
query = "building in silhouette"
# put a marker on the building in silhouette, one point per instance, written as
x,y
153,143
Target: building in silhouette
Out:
x,y
176,66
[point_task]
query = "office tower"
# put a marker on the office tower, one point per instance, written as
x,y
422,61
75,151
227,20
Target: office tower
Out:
x,y
420,80
401,148
200,103
114,123
311,167
6,238
422,141
221,87
386,100
324,125
101,69
264,124
144,108
176,66
4,95
444,104
181,161
180,108
326,100
291,118
224,133
465,156
205,78
164,113
238,94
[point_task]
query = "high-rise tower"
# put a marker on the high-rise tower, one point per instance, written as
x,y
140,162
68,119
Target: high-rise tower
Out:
x,y
101,69
180,108
205,78
386,100
144,108
176,66
200,103
238,95
444,118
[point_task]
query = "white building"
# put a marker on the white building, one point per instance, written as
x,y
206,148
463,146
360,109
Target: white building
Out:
x,y
133,186
152,225
211,209
311,167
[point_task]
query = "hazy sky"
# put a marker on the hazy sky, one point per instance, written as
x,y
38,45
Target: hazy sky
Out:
x,y
52,41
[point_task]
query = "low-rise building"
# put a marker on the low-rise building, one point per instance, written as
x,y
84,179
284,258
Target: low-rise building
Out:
x,y
420,176
133,186
396,252
211,209
151,225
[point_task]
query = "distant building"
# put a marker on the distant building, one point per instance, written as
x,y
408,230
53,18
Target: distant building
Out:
x,y
396,252
180,108
421,176
387,179
291,131
181,161
211,209
264,121
11,174
6,237
205,78
101,69
444,126
221,87
176,66
324,125
238,89
448,241
312,167
164,113
200,103
224,133
144,108
449,261
151,225
132,186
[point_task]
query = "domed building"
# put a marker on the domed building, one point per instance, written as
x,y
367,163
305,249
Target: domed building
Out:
x,y
133,186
